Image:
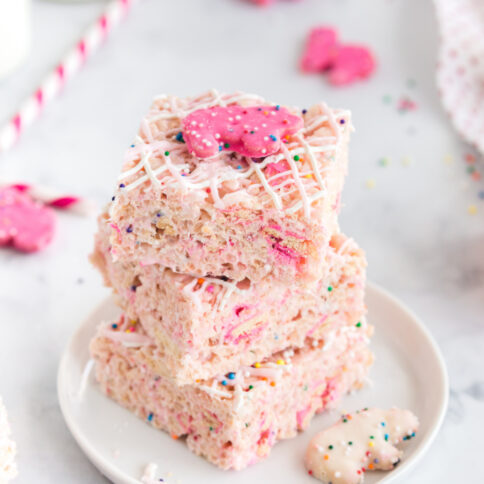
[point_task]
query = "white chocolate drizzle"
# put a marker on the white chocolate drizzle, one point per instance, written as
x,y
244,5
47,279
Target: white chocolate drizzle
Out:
x,y
153,165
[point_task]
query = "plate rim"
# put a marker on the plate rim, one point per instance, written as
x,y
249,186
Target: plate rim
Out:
x,y
438,418
113,472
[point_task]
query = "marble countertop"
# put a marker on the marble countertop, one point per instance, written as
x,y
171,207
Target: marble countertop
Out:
x,y
409,211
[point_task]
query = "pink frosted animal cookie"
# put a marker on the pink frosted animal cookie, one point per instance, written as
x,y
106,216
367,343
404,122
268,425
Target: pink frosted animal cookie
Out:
x,y
359,442
352,62
254,131
24,224
343,63
321,49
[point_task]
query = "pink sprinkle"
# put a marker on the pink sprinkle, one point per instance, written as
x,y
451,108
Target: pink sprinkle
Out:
x,y
317,325
210,288
115,227
275,226
406,104
254,131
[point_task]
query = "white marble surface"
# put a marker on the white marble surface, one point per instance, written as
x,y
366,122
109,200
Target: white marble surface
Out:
x,y
421,242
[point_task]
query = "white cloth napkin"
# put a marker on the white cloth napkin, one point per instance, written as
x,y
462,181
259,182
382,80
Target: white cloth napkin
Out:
x,y
460,70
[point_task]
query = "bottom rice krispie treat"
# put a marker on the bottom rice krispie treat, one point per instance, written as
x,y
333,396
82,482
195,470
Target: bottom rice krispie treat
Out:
x,y
8,468
233,420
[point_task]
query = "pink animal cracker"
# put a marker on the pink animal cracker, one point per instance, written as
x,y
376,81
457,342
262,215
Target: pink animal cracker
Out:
x,y
360,442
343,63
24,224
253,131
321,49
352,62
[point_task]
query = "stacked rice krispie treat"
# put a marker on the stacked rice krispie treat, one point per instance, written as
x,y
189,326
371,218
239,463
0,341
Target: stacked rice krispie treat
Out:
x,y
243,303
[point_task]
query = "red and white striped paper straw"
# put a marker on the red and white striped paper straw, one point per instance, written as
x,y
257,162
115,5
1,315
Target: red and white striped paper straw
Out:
x,y
53,198
66,69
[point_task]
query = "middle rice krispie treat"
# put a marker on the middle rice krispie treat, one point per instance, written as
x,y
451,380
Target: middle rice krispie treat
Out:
x,y
232,186
206,325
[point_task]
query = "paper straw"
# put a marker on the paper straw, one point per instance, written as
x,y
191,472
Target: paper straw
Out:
x,y
53,198
67,68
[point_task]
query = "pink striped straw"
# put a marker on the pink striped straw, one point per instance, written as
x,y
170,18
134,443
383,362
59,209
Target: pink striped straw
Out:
x,y
66,69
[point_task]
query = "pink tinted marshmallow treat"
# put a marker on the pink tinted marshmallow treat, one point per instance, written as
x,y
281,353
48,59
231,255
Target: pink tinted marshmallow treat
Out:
x,y
204,325
234,419
242,303
230,185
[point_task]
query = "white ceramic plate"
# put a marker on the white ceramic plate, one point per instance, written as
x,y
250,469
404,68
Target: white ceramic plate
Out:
x,y
409,372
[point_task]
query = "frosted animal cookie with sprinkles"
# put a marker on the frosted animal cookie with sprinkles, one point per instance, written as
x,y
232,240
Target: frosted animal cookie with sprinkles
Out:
x,y
360,442
25,224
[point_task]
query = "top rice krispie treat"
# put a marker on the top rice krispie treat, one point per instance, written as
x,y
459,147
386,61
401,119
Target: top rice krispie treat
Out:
x,y
232,185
